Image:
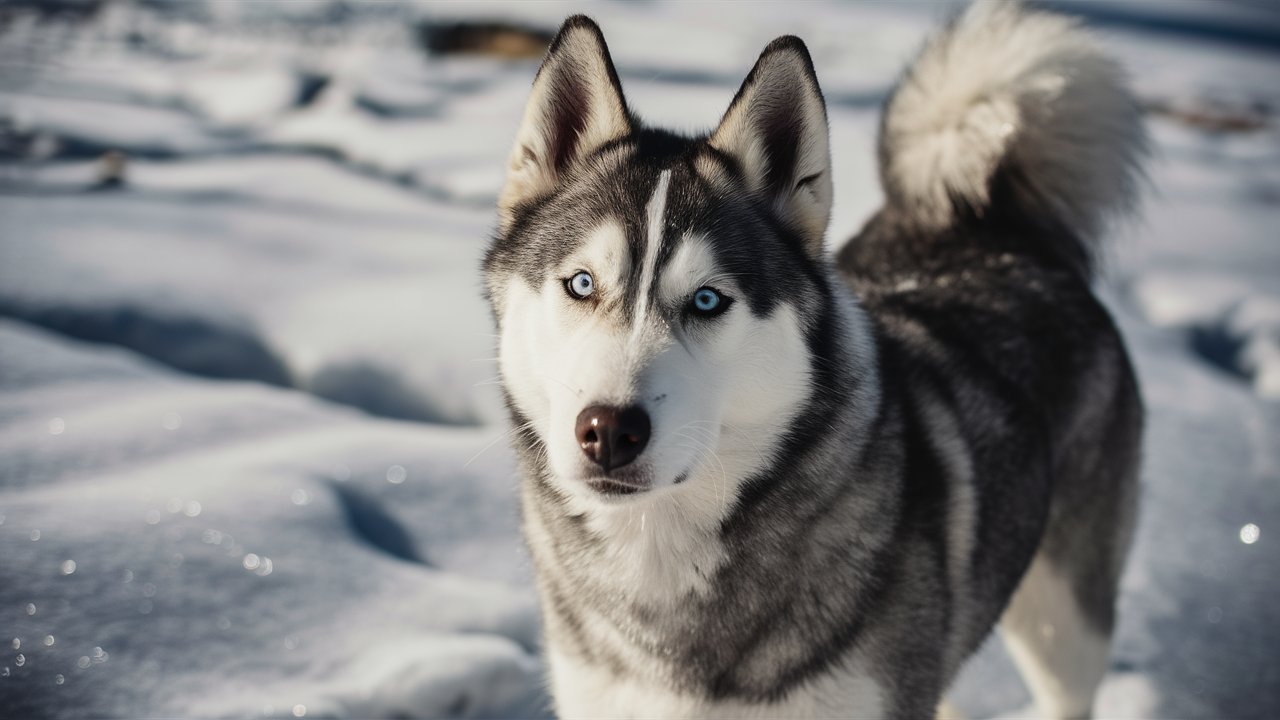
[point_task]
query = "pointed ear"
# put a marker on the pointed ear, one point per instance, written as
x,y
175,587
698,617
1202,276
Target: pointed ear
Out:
x,y
776,130
576,107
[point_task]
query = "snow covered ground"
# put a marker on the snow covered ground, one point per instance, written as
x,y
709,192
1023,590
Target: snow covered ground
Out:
x,y
251,456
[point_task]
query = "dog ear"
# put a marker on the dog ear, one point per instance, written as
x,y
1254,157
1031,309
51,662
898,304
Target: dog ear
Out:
x,y
576,107
776,131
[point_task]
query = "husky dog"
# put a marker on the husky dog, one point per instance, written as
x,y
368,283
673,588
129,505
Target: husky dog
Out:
x,y
762,480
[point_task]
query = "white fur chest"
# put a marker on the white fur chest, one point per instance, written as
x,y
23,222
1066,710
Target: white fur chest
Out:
x,y
582,691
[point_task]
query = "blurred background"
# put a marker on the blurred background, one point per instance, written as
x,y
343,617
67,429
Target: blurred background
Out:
x,y
252,458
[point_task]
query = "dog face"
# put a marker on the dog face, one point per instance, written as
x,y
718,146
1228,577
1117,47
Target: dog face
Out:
x,y
654,293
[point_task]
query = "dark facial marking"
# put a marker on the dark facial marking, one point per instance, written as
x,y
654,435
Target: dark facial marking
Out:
x,y
765,259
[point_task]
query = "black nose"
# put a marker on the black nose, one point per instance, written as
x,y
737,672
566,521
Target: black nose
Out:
x,y
612,437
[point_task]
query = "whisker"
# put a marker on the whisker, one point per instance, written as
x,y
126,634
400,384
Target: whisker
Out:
x,y
503,436
567,386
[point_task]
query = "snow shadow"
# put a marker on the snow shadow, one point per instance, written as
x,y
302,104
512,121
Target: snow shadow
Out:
x,y
378,391
204,347
373,525
190,344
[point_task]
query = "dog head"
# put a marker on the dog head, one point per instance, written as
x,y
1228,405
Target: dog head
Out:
x,y
656,294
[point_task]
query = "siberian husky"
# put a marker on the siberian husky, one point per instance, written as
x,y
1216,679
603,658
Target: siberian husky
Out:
x,y
760,479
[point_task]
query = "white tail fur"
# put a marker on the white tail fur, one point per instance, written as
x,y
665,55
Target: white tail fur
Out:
x,y
1007,90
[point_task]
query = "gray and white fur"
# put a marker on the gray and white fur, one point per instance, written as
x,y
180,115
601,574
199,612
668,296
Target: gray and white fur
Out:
x,y
760,480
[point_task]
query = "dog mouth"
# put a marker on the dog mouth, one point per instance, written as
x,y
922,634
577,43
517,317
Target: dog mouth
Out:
x,y
621,486
615,486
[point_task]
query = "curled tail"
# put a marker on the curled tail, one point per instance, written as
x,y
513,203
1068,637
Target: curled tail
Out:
x,y
1010,111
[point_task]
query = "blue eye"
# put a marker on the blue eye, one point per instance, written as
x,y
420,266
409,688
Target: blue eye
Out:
x,y
581,285
708,302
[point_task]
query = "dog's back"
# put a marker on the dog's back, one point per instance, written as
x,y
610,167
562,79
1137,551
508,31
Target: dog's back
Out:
x,y
1003,151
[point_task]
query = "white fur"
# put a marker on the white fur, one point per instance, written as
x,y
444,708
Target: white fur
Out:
x,y
718,396
692,266
656,219
582,691
1008,86
667,540
529,367
1061,658
605,253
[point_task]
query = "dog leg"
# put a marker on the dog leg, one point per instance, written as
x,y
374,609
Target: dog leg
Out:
x,y
948,711
1061,655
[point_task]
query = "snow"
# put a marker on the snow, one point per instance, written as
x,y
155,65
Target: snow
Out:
x,y
195,529
252,459
286,270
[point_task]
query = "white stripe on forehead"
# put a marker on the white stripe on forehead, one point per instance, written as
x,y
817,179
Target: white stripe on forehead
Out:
x,y
656,218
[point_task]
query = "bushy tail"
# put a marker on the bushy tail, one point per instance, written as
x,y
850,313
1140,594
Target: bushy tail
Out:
x,y
1013,111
